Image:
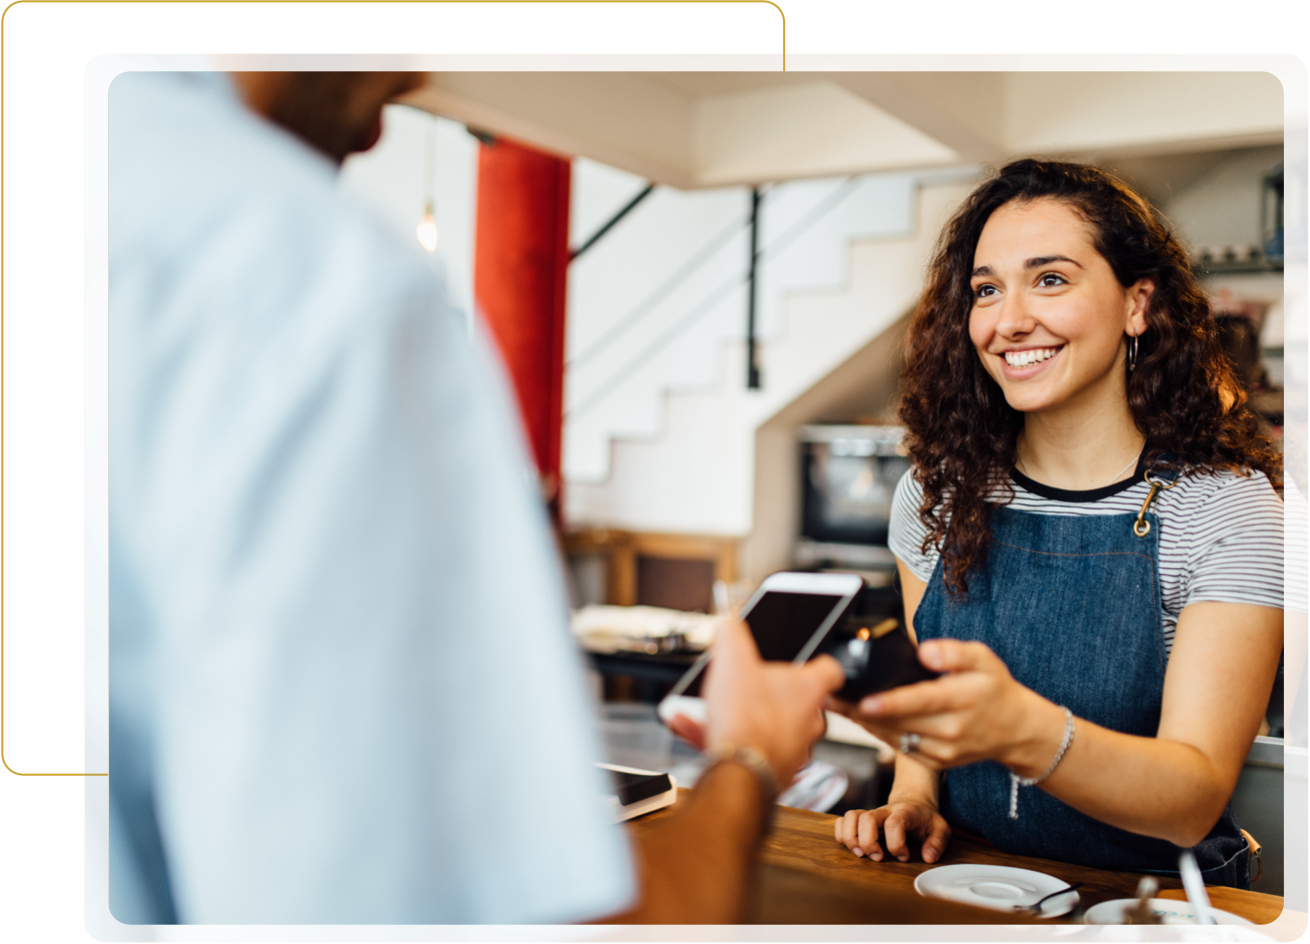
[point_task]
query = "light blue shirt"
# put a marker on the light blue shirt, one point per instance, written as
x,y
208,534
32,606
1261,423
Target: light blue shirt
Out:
x,y
342,687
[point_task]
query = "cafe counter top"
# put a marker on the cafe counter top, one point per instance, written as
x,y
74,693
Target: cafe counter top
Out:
x,y
807,877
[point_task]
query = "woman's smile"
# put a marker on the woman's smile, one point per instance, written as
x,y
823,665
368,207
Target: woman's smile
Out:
x,y
1023,363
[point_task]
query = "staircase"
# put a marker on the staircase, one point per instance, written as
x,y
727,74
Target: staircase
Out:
x,y
659,426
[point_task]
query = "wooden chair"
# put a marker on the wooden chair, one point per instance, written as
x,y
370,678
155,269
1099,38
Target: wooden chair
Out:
x,y
677,571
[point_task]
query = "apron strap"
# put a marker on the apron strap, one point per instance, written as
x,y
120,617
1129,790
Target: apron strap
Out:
x,y
1163,479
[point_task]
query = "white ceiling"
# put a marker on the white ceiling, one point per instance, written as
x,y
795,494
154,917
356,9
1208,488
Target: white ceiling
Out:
x,y
705,129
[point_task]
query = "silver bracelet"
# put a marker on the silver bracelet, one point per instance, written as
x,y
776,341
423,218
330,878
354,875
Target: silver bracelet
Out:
x,y
1016,781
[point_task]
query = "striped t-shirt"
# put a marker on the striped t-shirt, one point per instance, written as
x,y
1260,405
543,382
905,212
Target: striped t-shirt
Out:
x,y
1221,534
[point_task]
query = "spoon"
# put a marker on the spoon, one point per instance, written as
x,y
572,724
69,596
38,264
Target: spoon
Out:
x,y
1036,907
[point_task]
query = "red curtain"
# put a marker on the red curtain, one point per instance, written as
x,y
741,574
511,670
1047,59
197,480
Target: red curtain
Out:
x,y
520,268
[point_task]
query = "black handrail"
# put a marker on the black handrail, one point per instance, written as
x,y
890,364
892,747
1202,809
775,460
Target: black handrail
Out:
x,y
708,302
752,364
626,209
625,372
647,305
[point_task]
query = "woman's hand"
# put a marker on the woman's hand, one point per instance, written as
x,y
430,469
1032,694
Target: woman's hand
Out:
x,y
898,820
976,711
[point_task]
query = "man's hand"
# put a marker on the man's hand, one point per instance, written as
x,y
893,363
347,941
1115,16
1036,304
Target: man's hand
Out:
x,y
775,707
696,865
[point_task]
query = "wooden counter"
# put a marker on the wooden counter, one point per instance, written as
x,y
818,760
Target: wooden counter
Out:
x,y
807,877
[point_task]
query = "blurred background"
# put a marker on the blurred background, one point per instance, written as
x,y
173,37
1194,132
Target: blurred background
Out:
x,y
699,284
848,178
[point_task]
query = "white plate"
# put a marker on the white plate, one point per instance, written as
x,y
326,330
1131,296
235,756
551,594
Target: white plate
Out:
x,y
997,887
1177,914
1173,912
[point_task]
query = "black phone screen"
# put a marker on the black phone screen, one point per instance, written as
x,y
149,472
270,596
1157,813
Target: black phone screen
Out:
x,y
782,623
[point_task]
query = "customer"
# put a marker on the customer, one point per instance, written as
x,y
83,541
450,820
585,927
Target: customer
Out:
x,y
339,654
1089,543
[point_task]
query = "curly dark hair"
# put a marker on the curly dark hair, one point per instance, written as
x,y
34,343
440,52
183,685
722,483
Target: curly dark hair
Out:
x,y
1184,395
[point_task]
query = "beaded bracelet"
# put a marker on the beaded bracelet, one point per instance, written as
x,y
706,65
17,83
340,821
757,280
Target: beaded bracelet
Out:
x,y
1016,781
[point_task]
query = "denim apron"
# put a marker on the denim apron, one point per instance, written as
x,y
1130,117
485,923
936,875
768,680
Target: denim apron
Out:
x,y
1072,606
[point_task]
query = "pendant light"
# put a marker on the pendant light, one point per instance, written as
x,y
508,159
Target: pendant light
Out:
x,y
427,229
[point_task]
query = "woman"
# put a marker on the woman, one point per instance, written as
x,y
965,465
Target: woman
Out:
x,y
1089,544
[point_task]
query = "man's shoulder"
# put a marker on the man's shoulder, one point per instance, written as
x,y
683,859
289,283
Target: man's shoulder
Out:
x,y
206,195
183,146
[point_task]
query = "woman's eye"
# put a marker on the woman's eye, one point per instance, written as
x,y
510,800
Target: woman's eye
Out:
x,y
983,291
1051,278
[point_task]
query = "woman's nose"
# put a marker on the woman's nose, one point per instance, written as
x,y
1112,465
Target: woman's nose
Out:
x,y
1015,317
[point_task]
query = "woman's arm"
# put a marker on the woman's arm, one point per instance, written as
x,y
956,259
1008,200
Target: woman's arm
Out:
x,y
912,808
1173,786
1216,688
912,589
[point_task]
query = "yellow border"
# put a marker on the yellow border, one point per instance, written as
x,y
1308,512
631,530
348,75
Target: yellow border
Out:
x,y
784,32
13,3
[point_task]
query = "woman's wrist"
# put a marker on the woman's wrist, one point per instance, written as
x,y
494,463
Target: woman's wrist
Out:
x,y
913,783
1039,737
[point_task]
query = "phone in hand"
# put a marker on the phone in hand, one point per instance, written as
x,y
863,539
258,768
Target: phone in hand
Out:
x,y
876,655
794,617
790,615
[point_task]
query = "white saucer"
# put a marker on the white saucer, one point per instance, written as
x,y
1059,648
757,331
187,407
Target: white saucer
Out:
x,y
1173,912
998,887
1177,914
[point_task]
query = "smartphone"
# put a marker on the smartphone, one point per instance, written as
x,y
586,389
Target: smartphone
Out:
x,y
789,616
875,654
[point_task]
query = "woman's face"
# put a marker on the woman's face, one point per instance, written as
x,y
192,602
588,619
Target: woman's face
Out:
x,y
1049,317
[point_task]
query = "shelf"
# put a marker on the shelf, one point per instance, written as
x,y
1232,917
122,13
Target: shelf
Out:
x,y
1204,269
1212,267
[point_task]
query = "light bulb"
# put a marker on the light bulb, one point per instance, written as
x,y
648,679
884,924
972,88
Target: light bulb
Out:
x,y
427,230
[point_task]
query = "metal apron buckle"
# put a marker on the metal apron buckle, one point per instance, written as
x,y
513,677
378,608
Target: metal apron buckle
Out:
x,y
1142,527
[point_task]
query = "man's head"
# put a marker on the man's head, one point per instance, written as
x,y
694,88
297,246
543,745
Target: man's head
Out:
x,y
336,112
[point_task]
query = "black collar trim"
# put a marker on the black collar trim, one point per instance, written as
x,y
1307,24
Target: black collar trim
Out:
x,y
1070,495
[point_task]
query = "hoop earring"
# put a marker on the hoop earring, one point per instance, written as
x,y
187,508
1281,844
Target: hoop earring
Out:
x,y
1132,354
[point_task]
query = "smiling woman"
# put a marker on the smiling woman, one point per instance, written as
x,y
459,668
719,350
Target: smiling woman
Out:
x,y
1109,635
1049,329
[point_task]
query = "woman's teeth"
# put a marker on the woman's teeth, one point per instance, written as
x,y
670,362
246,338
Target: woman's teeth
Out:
x,y
1026,358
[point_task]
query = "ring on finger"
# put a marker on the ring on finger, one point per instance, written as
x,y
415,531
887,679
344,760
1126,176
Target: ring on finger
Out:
x,y
909,742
